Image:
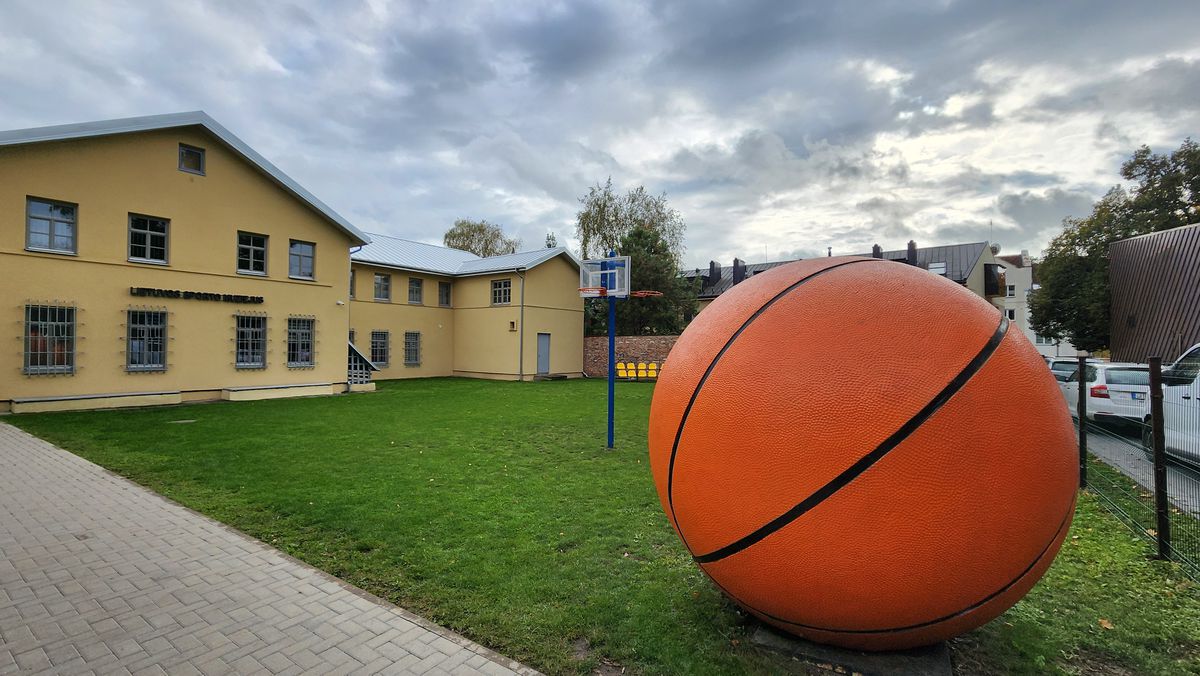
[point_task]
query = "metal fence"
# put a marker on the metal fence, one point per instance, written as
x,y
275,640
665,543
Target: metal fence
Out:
x,y
1146,469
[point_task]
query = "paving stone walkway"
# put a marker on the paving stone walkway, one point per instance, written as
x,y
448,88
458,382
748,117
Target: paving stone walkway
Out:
x,y
99,575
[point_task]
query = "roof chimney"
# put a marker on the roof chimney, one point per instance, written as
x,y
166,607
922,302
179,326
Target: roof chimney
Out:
x,y
876,251
912,253
739,270
829,251
714,273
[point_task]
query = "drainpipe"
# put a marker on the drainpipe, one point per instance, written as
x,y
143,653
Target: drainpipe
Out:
x,y
521,331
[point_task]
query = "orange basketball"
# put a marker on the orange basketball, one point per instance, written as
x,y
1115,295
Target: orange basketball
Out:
x,y
863,453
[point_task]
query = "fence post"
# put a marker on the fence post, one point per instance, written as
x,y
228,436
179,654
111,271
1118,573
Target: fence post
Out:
x,y
1160,459
1081,409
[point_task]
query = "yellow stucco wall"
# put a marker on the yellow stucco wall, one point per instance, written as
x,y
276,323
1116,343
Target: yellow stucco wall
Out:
x,y
433,322
487,337
111,177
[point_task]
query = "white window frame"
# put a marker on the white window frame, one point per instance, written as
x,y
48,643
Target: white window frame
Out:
x,y
251,248
502,291
140,330
297,258
1011,314
55,224
150,235
387,286
1010,291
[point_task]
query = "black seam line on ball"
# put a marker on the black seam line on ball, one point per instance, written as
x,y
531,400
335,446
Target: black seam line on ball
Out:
x,y
864,463
709,370
929,623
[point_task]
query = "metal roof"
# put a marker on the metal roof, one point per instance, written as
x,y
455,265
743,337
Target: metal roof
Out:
x,y
196,118
960,259
404,254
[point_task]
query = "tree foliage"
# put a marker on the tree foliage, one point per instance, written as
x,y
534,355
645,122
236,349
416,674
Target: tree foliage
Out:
x,y
607,217
480,238
653,268
551,240
1074,297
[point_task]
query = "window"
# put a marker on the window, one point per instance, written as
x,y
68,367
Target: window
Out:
x,y
147,239
383,286
444,294
352,336
146,340
938,268
1012,315
1011,291
50,225
351,283
415,289
501,291
300,341
252,253
1042,340
251,342
49,339
1127,376
380,346
191,159
991,279
412,348
300,259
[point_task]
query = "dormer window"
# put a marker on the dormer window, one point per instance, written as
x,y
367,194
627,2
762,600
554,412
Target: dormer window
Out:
x,y
191,159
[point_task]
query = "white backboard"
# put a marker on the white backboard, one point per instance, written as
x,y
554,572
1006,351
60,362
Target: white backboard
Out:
x,y
604,277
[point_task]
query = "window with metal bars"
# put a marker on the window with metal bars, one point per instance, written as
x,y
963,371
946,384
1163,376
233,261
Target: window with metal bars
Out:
x,y
252,253
380,347
50,225
251,342
147,239
146,340
415,291
49,339
412,348
300,341
444,294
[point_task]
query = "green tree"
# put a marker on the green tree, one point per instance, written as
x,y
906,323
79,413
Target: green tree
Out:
x,y
1074,296
652,268
551,240
607,217
480,238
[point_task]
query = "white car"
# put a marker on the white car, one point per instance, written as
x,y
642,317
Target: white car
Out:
x,y
1115,391
1181,408
1063,367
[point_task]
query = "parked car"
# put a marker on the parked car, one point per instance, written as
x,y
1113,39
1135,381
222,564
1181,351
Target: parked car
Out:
x,y
1063,367
1181,409
1115,391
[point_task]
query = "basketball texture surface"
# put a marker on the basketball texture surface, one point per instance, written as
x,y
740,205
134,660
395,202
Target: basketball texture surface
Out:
x,y
863,453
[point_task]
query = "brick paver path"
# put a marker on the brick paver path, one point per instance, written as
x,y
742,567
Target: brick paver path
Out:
x,y
100,575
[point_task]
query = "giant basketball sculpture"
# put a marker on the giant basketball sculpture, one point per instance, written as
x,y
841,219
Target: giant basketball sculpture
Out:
x,y
863,453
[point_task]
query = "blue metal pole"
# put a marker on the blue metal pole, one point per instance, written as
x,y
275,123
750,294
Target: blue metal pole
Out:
x,y
612,363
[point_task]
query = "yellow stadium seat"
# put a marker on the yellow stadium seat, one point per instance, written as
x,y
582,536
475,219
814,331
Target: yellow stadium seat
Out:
x,y
641,369
652,370
621,372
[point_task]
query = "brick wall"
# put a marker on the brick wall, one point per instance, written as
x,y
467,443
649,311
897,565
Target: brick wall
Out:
x,y
629,348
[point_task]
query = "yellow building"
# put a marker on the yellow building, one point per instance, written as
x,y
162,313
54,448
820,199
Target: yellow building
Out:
x,y
160,259
423,310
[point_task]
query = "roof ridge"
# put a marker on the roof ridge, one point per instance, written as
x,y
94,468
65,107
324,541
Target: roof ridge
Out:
x,y
413,241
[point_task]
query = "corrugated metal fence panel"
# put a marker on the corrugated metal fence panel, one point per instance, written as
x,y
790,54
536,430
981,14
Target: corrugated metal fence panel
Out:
x,y
1155,282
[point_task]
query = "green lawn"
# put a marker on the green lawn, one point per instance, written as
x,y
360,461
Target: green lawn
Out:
x,y
493,508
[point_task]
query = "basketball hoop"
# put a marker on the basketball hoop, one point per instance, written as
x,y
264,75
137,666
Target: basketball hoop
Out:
x,y
645,294
593,291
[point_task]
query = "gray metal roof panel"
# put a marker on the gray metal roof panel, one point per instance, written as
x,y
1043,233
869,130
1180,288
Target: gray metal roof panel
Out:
x,y
403,253
199,118
516,261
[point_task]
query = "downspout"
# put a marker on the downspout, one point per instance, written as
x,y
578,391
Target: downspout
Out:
x,y
521,332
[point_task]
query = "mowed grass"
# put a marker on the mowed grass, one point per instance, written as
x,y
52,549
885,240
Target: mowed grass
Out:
x,y
494,509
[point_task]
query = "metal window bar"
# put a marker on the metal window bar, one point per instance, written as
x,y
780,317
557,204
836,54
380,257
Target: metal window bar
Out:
x,y
147,238
251,342
412,348
50,338
300,342
146,340
380,344
358,370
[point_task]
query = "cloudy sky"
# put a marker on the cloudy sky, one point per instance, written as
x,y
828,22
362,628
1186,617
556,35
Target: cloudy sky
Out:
x,y
776,128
